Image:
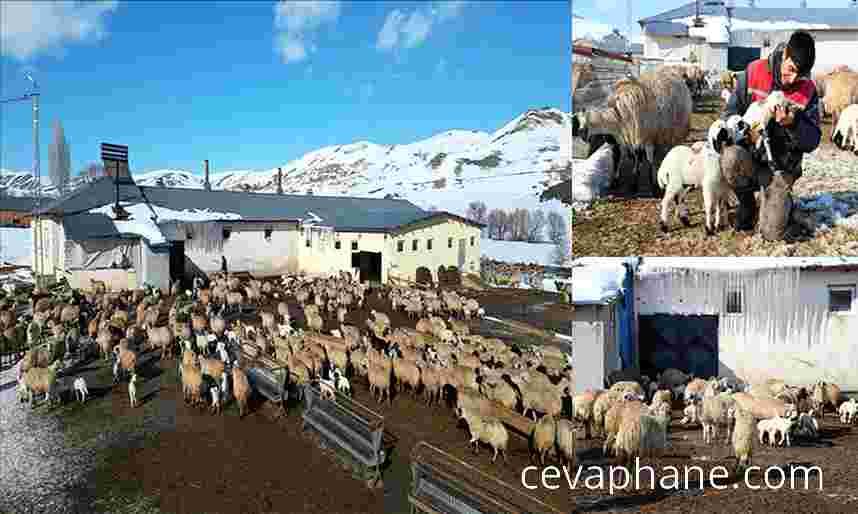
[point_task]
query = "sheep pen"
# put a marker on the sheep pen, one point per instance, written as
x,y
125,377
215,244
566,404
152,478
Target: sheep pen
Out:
x,y
824,220
259,446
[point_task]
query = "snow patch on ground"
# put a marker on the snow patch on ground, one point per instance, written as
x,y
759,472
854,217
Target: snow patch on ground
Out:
x,y
831,211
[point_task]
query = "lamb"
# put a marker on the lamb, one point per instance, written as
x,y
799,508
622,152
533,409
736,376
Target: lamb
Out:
x,y
212,367
241,388
774,426
342,383
192,383
641,113
807,427
825,394
80,389
486,430
848,411
845,134
216,405
743,438
714,413
683,168
542,436
132,390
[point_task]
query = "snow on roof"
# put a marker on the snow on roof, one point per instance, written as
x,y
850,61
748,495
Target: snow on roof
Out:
x,y
597,280
142,224
514,252
651,265
16,246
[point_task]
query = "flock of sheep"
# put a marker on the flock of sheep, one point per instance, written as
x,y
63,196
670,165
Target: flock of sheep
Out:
x,y
653,113
772,409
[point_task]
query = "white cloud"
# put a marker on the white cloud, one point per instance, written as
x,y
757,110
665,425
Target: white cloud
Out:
x,y
30,28
298,22
409,30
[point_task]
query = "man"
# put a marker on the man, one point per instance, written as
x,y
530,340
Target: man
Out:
x,y
223,264
793,132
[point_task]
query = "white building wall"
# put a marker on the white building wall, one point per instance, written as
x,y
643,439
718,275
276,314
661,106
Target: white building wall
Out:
x,y
246,249
52,247
322,256
155,268
786,330
671,49
406,262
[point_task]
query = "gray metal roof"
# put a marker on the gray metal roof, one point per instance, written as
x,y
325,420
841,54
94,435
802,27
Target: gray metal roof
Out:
x,y
18,203
844,17
665,28
90,226
336,211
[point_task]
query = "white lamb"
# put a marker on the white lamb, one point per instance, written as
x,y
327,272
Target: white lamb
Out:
x,y
216,405
759,113
691,413
848,411
80,389
699,166
774,426
284,330
221,350
341,382
132,390
845,135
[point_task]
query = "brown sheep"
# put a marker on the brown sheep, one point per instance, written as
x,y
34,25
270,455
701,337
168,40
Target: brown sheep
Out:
x,y
241,388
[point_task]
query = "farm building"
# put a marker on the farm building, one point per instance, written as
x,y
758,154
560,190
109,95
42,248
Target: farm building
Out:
x,y
731,37
16,211
179,232
754,318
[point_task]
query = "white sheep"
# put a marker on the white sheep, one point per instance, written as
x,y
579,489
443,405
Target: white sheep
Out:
x,y
328,390
743,437
342,383
691,413
848,411
221,350
486,430
132,390
774,426
216,403
759,113
80,389
698,166
845,134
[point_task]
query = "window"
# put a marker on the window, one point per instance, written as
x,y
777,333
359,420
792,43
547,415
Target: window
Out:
x,y
268,233
428,244
734,301
400,245
226,233
841,299
189,234
338,245
354,245
309,243
449,242
472,240
414,245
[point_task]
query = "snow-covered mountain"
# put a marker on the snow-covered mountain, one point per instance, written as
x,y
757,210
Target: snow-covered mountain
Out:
x,y
506,169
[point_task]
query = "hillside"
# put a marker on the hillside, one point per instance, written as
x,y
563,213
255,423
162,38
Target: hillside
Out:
x,y
506,169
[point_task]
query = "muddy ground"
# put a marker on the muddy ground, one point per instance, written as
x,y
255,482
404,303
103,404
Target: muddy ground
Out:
x,y
604,229
167,457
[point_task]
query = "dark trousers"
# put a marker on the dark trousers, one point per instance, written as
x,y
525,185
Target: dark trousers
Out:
x,y
747,212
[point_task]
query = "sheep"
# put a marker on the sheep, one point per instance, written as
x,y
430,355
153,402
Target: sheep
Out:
x,y
662,395
743,438
629,386
774,426
654,426
486,430
761,408
241,388
842,91
379,380
807,427
192,382
641,113
848,411
342,383
845,134
126,358
714,412
825,394
542,437
216,407
80,389
41,380
628,440
327,389
600,408
613,418
132,390
566,442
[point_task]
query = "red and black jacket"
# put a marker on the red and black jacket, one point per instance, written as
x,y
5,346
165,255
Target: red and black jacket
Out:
x,y
760,78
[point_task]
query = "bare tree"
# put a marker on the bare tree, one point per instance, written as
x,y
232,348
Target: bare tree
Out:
x,y
562,251
59,159
537,225
477,211
556,227
493,223
504,225
519,222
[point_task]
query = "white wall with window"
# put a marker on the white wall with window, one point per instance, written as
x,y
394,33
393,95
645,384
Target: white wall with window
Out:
x,y
787,323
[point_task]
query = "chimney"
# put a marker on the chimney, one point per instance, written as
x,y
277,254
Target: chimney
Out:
x,y
206,185
751,3
803,4
279,181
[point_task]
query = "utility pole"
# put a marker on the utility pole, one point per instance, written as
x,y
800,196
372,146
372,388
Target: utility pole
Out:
x,y
37,235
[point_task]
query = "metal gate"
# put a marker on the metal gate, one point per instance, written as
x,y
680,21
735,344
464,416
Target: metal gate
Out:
x,y
687,343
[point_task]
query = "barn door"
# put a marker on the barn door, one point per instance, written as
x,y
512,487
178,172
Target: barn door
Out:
x,y
687,343
462,255
177,260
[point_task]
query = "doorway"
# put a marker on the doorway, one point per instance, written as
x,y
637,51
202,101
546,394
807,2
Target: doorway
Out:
x,y
687,343
462,255
177,261
369,264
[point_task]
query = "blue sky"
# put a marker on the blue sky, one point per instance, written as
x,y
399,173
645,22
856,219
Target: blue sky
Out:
x,y
252,85
601,15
